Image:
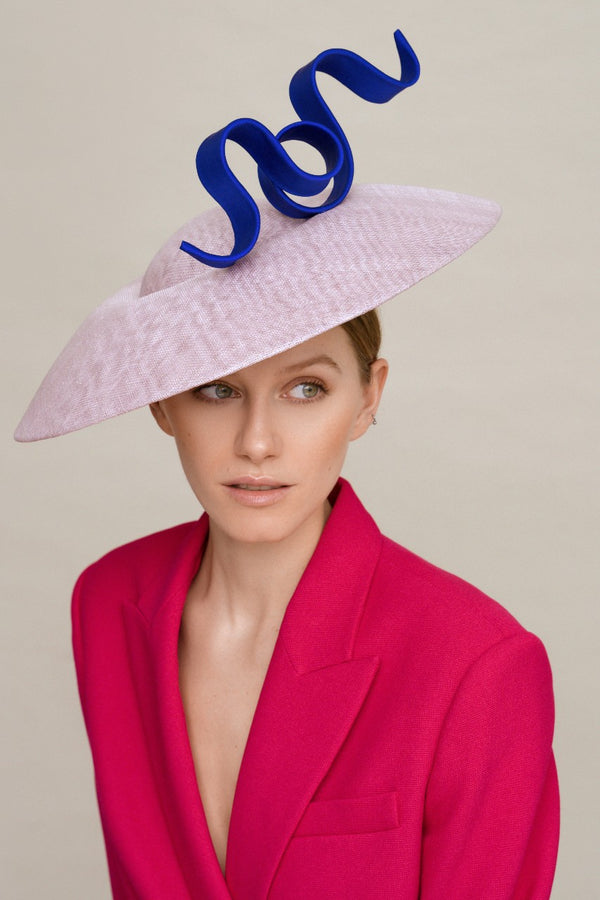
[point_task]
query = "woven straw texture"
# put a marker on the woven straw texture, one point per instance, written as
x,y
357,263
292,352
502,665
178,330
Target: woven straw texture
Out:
x,y
185,324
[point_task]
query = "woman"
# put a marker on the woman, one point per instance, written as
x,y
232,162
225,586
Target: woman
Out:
x,y
280,701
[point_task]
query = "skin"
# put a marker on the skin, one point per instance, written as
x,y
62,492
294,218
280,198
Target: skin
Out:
x,y
283,424
279,418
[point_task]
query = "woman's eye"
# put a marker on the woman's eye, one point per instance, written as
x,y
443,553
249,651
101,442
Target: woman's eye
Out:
x,y
306,390
215,391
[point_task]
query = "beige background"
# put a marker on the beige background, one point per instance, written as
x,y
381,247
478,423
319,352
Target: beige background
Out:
x,y
485,458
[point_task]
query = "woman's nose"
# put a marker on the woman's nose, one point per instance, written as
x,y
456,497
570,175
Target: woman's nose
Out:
x,y
257,438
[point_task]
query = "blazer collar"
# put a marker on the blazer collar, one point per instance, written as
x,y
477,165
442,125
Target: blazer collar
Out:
x,y
312,693
321,619
331,592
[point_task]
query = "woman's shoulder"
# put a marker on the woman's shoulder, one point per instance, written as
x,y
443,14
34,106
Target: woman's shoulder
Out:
x,y
419,602
140,560
436,605
433,628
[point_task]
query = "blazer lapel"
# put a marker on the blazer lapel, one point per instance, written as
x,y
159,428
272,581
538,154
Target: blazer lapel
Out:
x,y
312,693
152,629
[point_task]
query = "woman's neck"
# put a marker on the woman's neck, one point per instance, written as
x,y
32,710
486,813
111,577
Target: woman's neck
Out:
x,y
248,585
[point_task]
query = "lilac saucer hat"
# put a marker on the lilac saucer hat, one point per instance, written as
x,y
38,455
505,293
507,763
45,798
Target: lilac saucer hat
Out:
x,y
197,316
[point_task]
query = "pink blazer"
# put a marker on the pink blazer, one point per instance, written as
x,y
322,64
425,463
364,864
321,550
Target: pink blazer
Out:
x,y
401,747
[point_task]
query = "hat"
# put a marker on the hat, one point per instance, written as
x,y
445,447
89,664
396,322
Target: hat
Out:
x,y
186,323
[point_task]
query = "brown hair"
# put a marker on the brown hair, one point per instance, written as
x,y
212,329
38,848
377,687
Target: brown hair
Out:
x,y
365,333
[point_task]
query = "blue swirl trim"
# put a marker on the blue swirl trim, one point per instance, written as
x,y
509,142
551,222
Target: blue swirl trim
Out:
x,y
278,173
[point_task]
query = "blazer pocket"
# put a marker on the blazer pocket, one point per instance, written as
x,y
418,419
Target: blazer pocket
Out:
x,y
353,815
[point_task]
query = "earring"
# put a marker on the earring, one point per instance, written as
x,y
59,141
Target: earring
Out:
x,y
373,420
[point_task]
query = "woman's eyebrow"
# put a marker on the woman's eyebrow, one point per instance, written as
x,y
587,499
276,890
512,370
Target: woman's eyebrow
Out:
x,y
313,361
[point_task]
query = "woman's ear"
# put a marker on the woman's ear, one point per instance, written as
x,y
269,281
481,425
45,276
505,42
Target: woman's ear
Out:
x,y
372,395
161,418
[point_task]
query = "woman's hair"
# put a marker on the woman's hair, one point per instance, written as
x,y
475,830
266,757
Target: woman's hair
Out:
x,y
365,334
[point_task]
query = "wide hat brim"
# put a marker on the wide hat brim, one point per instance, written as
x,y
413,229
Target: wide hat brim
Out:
x,y
185,324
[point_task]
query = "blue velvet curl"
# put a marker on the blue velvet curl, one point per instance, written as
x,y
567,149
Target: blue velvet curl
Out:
x,y
278,173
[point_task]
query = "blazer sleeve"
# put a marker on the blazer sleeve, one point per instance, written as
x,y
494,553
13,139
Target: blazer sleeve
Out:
x,y
491,812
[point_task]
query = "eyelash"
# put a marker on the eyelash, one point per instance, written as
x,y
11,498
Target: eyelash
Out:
x,y
322,390
197,392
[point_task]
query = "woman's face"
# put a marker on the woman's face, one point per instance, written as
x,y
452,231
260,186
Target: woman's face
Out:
x,y
263,448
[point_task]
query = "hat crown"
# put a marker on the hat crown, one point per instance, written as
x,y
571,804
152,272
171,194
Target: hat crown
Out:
x,y
170,266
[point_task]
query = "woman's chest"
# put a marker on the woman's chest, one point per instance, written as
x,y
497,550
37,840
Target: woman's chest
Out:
x,y
219,689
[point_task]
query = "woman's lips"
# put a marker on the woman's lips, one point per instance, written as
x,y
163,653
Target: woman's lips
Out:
x,y
257,487
257,492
